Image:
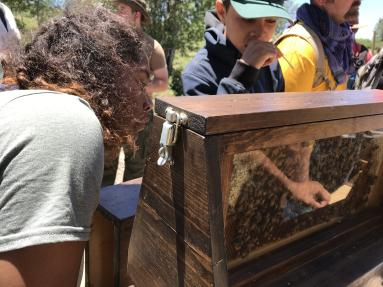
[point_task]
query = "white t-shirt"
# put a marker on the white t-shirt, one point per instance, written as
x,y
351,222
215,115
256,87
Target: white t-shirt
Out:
x,y
9,35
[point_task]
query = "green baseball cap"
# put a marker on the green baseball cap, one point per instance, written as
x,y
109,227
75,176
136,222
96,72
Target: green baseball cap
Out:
x,y
249,9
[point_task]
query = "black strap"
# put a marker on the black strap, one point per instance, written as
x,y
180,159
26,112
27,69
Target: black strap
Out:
x,y
360,59
378,75
2,17
363,48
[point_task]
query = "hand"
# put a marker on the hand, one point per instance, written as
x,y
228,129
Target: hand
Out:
x,y
310,192
259,54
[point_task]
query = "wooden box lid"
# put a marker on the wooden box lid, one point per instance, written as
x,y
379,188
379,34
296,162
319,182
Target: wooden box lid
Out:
x,y
219,114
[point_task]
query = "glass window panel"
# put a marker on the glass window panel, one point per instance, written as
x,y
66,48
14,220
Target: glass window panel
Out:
x,y
262,207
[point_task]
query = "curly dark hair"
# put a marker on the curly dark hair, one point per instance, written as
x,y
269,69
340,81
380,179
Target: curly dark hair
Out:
x,y
94,54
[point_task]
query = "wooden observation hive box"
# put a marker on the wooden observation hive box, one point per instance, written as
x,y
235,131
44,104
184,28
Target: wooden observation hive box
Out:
x,y
223,213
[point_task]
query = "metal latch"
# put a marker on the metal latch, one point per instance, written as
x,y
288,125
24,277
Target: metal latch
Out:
x,y
169,135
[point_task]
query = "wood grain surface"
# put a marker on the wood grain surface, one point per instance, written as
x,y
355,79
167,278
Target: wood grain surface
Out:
x,y
171,243
229,113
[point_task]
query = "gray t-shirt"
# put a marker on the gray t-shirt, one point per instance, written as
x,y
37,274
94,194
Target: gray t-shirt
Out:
x,y
51,163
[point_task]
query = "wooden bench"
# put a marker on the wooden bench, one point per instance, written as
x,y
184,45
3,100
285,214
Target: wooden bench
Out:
x,y
107,251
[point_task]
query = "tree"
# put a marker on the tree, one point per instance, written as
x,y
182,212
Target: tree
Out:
x,y
39,9
379,30
177,24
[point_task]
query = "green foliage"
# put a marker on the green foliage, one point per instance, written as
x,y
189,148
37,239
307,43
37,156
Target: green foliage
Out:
x,y
18,5
178,24
180,61
106,3
20,23
368,44
176,82
365,42
40,10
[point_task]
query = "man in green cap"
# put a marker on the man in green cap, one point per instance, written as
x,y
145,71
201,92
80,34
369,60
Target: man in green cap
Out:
x,y
135,12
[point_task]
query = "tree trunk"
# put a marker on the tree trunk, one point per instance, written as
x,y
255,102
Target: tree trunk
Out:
x,y
169,54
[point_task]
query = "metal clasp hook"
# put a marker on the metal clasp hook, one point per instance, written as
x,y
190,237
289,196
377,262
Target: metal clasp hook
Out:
x,y
169,135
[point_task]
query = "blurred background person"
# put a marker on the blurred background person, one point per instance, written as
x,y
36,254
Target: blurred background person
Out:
x,y
9,35
136,13
361,54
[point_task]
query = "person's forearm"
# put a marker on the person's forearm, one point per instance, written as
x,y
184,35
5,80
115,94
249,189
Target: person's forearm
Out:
x,y
309,192
305,163
302,153
273,169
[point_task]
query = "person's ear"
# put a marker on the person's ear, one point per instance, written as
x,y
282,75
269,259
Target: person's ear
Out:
x,y
221,11
137,18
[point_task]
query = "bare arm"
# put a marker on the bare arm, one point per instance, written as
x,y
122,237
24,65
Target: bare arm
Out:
x,y
309,192
159,82
159,70
55,264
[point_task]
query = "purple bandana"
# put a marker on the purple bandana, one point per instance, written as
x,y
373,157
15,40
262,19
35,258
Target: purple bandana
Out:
x,y
336,39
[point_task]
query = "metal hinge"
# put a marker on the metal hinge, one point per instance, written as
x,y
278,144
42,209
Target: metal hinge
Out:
x,y
169,135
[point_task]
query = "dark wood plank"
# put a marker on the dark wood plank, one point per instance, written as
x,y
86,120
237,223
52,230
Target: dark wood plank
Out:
x,y
213,173
183,184
100,252
298,253
125,229
372,278
154,261
266,138
170,243
353,263
230,113
196,238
